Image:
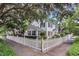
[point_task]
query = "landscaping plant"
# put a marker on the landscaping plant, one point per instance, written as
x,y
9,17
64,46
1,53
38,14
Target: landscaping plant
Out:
x,y
74,49
5,50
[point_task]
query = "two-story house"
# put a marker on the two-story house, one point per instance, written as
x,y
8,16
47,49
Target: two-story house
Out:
x,y
36,27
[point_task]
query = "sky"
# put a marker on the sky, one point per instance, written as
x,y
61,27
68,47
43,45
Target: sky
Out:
x,y
55,13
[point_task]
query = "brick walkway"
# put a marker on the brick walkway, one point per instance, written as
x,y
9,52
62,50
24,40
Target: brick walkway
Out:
x,y
22,50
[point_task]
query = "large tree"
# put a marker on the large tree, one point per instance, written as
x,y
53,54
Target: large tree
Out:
x,y
15,16
72,21
18,16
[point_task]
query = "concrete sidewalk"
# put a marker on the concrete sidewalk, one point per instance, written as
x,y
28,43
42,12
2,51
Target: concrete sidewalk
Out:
x,y
22,50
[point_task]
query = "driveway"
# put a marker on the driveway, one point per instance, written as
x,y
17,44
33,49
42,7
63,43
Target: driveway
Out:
x,y
22,50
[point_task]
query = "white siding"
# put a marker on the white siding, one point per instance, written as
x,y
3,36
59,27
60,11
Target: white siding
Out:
x,y
35,23
46,28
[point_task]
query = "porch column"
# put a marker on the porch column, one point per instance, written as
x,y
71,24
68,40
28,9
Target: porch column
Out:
x,y
31,32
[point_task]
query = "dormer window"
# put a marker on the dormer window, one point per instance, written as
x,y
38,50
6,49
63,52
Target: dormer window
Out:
x,y
49,25
42,24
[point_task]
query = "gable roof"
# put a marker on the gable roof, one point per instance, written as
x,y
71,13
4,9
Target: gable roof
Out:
x,y
35,28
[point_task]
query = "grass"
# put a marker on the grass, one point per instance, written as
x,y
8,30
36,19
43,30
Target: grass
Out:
x,y
74,49
5,49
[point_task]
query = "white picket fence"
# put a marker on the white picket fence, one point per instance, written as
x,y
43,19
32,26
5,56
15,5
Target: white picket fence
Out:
x,y
34,43
51,43
25,41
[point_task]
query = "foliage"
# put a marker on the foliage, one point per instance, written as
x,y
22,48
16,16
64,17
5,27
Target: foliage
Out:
x,y
5,50
74,49
56,36
43,35
76,30
69,23
2,30
64,14
14,15
17,16
62,34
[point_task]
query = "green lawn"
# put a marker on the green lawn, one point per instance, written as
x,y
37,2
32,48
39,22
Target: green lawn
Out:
x,y
74,49
5,49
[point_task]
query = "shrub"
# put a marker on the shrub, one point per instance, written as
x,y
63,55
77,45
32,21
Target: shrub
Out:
x,y
5,50
43,35
62,34
76,30
56,36
31,37
76,40
74,49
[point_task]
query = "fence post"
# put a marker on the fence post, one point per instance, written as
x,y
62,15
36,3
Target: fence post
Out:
x,y
17,39
36,39
46,36
24,40
42,45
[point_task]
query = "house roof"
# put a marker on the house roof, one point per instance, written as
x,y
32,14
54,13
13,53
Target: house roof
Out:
x,y
35,28
46,20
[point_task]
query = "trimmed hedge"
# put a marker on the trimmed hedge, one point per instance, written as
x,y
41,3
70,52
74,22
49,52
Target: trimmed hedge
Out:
x,y
5,50
74,49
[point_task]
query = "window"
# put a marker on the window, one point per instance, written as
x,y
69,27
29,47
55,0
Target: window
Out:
x,y
29,32
33,32
49,25
42,24
48,33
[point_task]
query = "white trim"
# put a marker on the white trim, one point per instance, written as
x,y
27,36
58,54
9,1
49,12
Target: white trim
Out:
x,y
21,41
